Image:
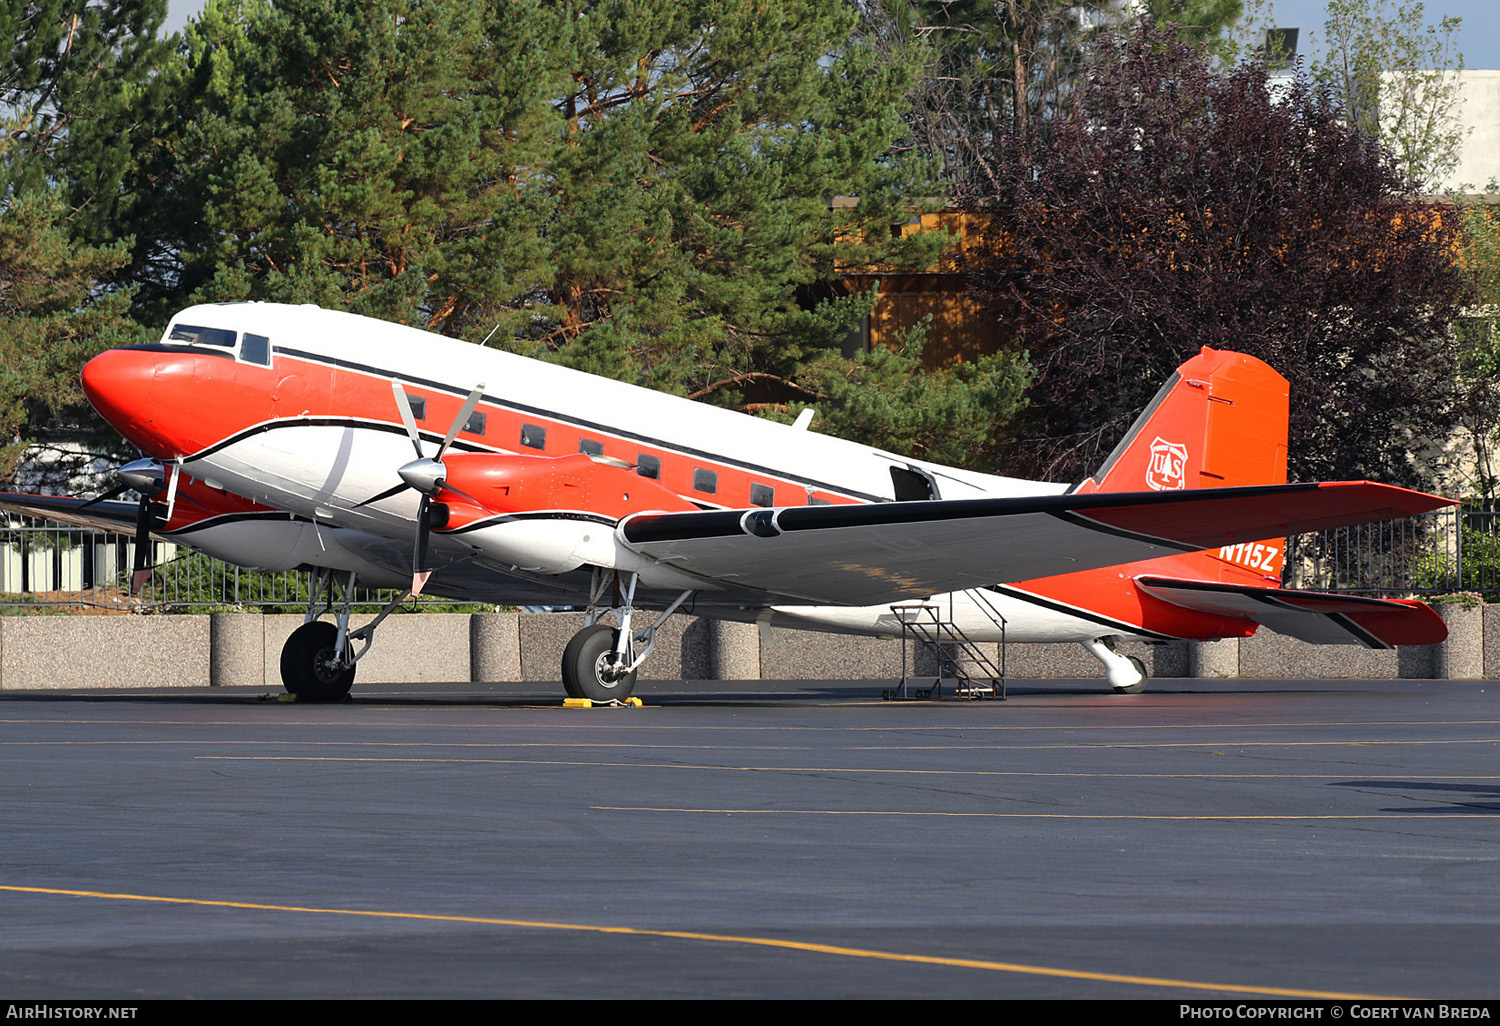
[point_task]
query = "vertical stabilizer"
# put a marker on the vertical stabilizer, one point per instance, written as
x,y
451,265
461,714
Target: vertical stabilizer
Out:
x,y
1219,422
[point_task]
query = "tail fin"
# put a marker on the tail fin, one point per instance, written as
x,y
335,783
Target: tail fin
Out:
x,y
1219,421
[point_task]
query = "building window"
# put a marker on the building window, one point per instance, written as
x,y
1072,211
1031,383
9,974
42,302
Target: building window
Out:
x,y
591,447
648,466
762,495
705,481
533,437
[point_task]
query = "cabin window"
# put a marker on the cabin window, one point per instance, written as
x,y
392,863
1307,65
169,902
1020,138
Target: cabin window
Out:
x,y
813,500
475,424
648,466
705,481
418,406
256,349
762,495
533,437
591,447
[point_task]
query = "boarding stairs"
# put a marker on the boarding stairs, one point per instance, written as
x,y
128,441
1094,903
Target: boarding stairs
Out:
x,y
932,626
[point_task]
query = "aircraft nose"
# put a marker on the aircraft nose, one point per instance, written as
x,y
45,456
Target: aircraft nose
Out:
x,y
118,383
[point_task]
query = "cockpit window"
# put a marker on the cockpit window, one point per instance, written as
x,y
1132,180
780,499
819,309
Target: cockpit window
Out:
x,y
196,336
256,349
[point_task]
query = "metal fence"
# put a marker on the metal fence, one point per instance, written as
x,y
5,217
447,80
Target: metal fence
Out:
x,y
1439,553
41,564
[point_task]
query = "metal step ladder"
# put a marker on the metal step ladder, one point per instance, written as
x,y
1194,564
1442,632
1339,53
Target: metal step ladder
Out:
x,y
957,656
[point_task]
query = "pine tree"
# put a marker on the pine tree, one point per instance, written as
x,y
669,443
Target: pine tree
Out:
x,y
638,190
63,146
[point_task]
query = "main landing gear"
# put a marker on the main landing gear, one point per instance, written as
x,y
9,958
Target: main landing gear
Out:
x,y
601,661
317,661
1126,674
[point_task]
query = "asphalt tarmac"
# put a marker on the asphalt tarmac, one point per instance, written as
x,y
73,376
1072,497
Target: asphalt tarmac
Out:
x,y
1202,841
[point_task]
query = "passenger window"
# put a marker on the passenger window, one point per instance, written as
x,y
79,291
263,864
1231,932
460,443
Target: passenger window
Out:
x,y
533,437
256,349
418,406
813,500
475,424
762,495
648,466
705,481
591,447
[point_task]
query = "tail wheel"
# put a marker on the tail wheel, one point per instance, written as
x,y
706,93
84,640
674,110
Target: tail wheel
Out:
x,y
586,666
307,667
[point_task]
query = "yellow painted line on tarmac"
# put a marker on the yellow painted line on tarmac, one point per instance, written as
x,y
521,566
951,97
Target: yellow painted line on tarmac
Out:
x,y
762,942
1042,815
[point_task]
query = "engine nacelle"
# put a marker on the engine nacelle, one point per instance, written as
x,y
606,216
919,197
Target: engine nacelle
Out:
x,y
552,514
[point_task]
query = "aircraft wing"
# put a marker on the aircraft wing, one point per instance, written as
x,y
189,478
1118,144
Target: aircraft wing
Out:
x,y
108,515
882,552
1313,616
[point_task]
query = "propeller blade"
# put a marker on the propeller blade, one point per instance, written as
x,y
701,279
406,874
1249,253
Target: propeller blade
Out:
x,y
142,563
118,489
460,420
397,490
420,571
404,408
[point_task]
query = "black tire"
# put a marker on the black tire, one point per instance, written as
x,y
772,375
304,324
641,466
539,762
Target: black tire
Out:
x,y
304,664
584,666
1138,686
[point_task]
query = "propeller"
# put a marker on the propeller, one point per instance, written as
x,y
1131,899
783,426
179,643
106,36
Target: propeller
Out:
x,y
426,475
148,477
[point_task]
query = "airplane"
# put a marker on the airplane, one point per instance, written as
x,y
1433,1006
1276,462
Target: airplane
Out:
x,y
279,437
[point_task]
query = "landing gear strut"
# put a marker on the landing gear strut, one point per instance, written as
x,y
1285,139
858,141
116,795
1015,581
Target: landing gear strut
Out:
x,y
601,661
317,661
1126,674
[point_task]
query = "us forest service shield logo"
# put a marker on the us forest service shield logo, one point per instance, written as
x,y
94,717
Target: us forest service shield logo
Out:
x,y
1167,471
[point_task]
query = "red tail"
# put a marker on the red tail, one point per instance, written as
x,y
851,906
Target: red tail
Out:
x,y
1220,421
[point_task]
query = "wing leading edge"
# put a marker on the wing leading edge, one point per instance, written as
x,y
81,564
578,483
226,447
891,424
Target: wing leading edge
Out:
x,y
882,552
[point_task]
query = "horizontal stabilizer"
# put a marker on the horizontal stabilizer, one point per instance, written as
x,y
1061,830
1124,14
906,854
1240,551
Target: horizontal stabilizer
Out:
x,y
1317,617
880,552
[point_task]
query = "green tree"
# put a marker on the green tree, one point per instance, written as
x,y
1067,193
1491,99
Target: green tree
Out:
x,y
1479,353
638,190
1017,63
63,90
1393,73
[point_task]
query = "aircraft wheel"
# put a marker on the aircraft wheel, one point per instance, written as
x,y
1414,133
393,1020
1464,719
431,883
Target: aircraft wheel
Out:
x,y
1138,686
585,666
305,669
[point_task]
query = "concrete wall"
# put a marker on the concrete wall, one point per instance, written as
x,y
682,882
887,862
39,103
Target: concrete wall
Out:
x,y
244,649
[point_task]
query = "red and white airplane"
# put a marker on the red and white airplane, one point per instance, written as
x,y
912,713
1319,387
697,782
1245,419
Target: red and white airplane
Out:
x,y
290,436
